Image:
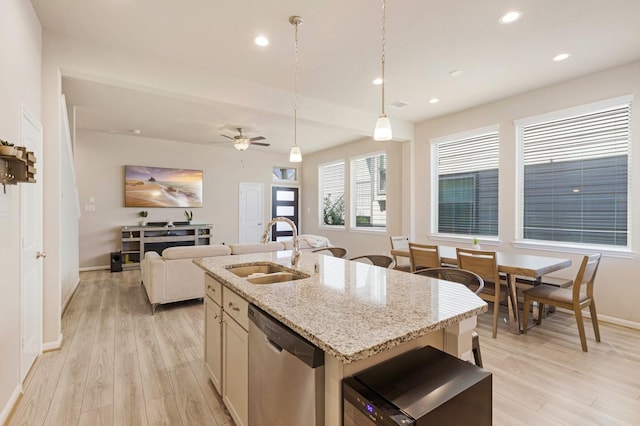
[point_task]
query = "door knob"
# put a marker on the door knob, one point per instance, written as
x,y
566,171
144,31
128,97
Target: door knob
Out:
x,y
40,254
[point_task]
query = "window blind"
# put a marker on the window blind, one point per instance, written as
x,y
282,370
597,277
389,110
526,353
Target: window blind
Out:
x,y
467,172
576,177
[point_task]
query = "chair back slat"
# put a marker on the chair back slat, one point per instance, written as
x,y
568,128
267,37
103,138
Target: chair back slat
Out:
x,y
424,256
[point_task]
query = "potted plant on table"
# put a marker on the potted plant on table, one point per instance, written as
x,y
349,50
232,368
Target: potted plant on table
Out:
x,y
189,215
143,214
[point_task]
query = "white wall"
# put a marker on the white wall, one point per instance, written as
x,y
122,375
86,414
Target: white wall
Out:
x,y
617,291
356,242
20,50
100,160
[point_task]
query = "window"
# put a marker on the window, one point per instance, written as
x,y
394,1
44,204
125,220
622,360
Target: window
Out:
x,y
467,176
284,174
575,175
369,199
331,181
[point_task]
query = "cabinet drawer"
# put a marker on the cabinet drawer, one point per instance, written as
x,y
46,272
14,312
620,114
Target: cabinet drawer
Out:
x,y
213,289
236,307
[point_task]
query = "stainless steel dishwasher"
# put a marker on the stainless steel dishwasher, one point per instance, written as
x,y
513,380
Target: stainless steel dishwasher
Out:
x,y
286,375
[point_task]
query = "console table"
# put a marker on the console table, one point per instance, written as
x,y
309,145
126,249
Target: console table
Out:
x,y
136,240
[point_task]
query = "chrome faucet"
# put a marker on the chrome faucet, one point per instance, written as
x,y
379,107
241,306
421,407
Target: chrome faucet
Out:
x,y
295,254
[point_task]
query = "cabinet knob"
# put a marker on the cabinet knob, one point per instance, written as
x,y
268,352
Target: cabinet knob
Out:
x,y
40,254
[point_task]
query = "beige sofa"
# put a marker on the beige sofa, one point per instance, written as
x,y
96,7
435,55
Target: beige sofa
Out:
x,y
172,276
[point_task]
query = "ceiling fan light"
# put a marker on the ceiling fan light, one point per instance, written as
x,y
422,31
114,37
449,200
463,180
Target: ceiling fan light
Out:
x,y
382,131
295,156
241,145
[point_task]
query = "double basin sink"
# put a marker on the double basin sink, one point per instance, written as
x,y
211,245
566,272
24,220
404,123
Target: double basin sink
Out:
x,y
265,272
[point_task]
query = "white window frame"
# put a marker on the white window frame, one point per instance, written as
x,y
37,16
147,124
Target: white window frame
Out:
x,y
457,238
353,195
559,246
321,167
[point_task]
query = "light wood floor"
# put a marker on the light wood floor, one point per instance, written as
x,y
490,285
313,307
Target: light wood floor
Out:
x,y
119,365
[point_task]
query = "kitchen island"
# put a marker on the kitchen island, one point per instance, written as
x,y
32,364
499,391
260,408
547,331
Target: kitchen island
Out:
x,y
358,314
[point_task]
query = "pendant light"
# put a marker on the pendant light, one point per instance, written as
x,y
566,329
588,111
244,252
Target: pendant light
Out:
x,y
382,131
295,156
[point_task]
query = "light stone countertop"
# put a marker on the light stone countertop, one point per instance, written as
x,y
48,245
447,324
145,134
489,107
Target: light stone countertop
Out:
x,y
350,310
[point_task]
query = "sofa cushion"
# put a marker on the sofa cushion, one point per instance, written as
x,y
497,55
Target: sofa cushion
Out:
x,y
256,248
192,252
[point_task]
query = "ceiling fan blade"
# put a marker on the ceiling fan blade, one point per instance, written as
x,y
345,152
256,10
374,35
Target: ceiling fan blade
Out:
x,y
260,143
258,138
228,137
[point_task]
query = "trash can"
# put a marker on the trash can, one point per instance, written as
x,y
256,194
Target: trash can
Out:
x,y
116,261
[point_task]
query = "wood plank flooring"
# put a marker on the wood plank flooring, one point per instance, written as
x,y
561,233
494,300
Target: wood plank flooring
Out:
x,y
119,365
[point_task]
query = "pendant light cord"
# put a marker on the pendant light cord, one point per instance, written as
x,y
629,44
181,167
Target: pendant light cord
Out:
x,y
295,88
382,57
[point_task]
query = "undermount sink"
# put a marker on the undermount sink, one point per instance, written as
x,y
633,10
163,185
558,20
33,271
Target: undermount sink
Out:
x,y
266,273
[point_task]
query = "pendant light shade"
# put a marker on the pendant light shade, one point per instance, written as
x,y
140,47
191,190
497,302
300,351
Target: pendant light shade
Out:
x,y
295,156
382,132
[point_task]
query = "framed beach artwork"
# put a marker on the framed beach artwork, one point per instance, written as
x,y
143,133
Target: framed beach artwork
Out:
x,y
162,187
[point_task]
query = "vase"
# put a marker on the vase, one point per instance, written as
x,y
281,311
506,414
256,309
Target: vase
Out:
x,y
477,247
143,222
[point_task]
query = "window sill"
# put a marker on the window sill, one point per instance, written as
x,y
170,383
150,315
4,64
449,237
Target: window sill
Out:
x,y
608,251
332,227
464,239
369,230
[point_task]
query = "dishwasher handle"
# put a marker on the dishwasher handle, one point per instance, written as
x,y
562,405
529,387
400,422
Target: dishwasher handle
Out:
x,y
279,335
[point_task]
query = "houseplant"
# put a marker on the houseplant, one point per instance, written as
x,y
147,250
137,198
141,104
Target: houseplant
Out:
x,y
7,148
143,214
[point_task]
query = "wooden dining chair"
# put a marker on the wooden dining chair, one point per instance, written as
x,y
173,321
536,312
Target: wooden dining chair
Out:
x,y
333,251
577,298
485,264
470,279
375,259
423,256
400,242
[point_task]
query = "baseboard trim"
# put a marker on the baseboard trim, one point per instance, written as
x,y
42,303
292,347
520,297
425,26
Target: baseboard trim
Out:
x,y
607,319
52,346
11,403
94,268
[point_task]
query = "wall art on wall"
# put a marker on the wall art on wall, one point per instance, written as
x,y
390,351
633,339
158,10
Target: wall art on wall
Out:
x,y
162,187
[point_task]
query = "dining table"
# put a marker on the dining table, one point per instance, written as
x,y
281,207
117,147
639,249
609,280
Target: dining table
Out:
x,y
512,265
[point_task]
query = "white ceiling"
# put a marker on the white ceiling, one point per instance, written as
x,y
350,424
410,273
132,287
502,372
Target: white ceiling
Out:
x,y
339,56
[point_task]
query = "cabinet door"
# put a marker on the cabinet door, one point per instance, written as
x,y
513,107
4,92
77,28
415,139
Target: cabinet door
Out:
x,y
213,343
235,370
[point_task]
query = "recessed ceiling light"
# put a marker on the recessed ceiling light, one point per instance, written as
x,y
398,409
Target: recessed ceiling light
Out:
x,y
377,81
135,131
261,41
434,100
511,16
455,73
561,57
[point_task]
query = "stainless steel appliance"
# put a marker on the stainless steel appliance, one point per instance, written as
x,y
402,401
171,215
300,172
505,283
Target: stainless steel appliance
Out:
x,y
286,375
420,387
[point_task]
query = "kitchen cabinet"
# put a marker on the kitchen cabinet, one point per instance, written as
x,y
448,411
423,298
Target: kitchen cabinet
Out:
x,y
235,370
213,332
226,354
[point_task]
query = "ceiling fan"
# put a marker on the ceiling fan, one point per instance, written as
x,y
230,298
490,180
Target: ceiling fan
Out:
x,y
240,142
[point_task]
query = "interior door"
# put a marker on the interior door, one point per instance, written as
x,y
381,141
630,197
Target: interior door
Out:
x,y
251,212
30,256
